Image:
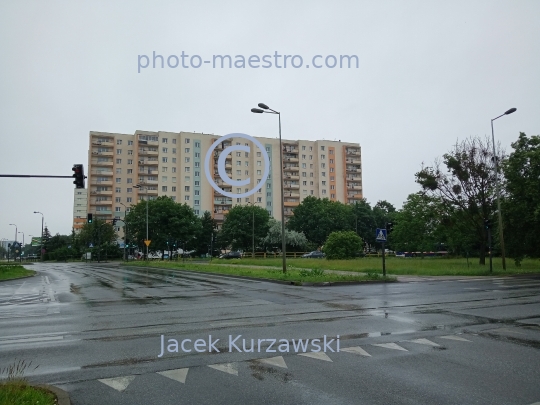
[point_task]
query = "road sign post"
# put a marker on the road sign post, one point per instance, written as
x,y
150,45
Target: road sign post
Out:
x,y
380,236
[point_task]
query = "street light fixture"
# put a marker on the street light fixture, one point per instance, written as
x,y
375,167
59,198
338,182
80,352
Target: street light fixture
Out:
x,y
41,239
501,237
263,109
147,198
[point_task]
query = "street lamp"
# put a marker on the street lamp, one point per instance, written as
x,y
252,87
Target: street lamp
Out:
x,y
501,237
147,198
41,239
262,109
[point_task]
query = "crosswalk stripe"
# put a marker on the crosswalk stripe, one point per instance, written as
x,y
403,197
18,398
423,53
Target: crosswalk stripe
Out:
x,y
423,341
179,374
390,346
230,368
275,361
317,355
118,383
356,350
453,337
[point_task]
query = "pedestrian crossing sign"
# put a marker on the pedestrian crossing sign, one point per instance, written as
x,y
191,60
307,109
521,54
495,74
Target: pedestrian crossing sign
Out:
x,y
380,235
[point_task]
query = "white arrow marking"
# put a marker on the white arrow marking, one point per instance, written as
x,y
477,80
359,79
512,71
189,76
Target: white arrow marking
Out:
x,y
231,368
118,383
424,342
179,374
453,337
356,350
317,355
390,346
275,361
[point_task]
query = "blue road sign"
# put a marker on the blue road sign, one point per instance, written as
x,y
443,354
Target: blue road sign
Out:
x,y
90,245
380,235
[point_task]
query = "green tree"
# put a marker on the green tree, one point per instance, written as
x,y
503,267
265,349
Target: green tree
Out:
x,y
170,225
317,218
207,233
237,229
294,240
521,207
101,235
466,188
364,220
342,245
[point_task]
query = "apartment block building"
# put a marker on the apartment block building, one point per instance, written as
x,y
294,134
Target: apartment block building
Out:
x,y
80,208
172,164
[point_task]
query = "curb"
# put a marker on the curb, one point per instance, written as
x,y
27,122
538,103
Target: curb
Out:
x,y
61,395
293,283
20,278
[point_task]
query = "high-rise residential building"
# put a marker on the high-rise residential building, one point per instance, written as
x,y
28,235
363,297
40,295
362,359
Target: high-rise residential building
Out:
x,y
80,207
172,164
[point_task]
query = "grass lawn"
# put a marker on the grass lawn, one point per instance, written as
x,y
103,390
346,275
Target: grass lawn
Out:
x,y
401,266
292,275
10,271
20,393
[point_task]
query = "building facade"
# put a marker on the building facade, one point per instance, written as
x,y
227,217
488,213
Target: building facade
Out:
x,y
172,164
80,208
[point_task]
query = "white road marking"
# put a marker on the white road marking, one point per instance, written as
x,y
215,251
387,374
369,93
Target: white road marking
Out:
x,y
31,340
179,374
231,368
317,355
390,346
356,350
118,383
423,341
454,337
274,361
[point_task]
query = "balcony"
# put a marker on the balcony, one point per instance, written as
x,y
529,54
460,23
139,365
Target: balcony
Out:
x,y
219,217
101,183
149,162
291,159
102,153
291,177
291,168
148,152
291,186
291,194
95,163
218,194
291,203
101,202
102,172
353,169
352,152
146,142
146,182
95,192
354,188
104,212
354,178
220,201
103,142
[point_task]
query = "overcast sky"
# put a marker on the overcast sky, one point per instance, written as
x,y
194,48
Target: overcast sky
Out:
x,y
430,72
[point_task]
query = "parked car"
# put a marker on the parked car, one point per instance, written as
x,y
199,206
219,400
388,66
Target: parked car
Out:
x,y
314,255
231,255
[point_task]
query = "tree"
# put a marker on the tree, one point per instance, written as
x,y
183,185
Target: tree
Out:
x,y
383,212
207,233
293,239
170,224
317,218
521,206
237,230
467,188
101,235
418,224
365,222
342,245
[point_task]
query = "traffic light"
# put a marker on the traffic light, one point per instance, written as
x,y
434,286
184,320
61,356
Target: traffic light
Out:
x,y
487,223
389,227
89,218
78,175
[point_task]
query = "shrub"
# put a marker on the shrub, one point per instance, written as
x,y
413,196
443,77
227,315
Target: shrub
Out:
x,y
342,245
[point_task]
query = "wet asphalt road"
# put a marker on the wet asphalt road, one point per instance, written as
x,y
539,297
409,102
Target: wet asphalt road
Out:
x,y
94,330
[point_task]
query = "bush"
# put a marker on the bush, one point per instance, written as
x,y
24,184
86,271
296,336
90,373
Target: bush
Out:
x,y
342,245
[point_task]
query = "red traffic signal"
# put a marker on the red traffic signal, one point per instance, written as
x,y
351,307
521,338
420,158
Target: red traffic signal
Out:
x,y
78,175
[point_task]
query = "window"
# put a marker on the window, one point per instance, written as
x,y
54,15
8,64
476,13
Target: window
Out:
x,y
268,148
197,174
174,179
238,154
246,153
259,199
247,172
197,192
117,199
186,198
119,142
331,161
331,151
324,183
238,200
304,192
323,174
118,151
130,190
304,174
258,163
174,140
130,151
117,209
331,170
129,199
118,170
323,165
238,190
130,181
332,187
118,161
164,159
187,140
268,185
164,140
324,191
303,165
196,202
197,183
311,174
310,183
332,178
303,147
258,172
311,165
130,161
186,188
187,169
311,192
119,180
164,189
164,169
174,169
164,179
310,148
238,163
174,151
186,150
173,189
117,189
129,171
269,203
323,157
258,154
303,156
165,150
304,183
186,159
310,157
130,143
322,147
197,144
238,172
